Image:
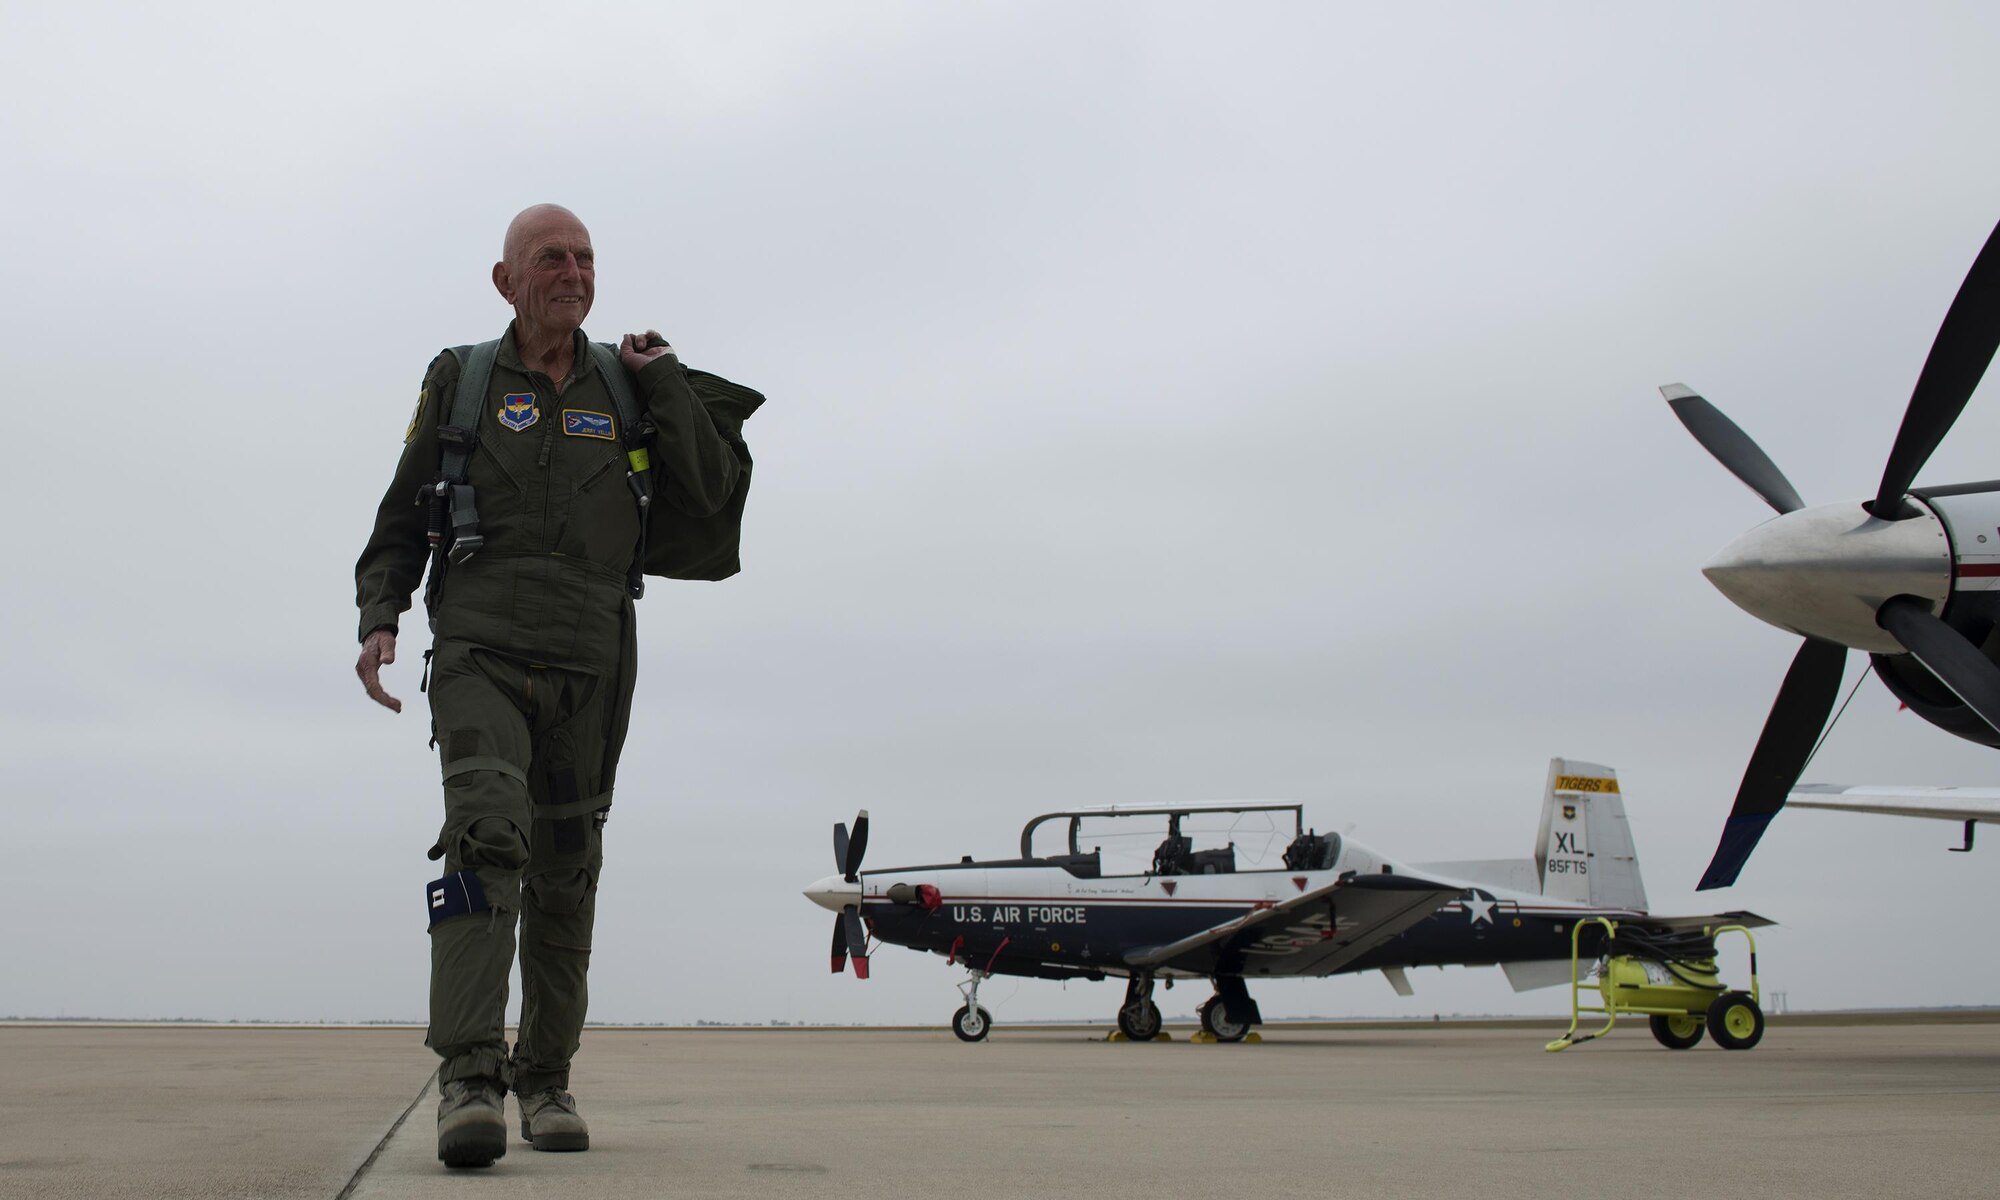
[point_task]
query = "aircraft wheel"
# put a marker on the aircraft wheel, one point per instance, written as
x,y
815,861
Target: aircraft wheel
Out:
x,y
1735,1021
1215,1021
1676,1032
1140,1022
971,1024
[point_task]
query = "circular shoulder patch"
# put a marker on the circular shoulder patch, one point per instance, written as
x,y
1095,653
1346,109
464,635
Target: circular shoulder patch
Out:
x,y
410,434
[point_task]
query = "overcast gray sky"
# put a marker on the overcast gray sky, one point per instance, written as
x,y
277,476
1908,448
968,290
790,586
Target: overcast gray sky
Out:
x,y
1166,402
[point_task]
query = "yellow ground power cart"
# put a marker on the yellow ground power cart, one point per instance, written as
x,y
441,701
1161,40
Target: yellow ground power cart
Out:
x,y
1670,978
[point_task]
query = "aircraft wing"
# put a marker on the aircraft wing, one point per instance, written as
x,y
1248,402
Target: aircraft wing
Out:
x,y
1313,933
1938,803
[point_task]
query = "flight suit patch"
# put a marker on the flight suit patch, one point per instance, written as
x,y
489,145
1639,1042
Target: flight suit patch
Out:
x,y
518,411
589,424
410,434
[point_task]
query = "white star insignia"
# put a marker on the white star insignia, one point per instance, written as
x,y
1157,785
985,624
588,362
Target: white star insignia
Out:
x,y
1478,907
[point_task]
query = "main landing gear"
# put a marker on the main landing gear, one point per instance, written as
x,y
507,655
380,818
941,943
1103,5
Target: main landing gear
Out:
x,y
1139,1018
1215,1022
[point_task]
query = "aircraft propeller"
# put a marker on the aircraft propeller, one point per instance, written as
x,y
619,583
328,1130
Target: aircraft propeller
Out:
x,y
1965,344
850,938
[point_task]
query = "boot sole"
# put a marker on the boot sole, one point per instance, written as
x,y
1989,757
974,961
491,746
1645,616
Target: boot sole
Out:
x,y
555,1141
474,1145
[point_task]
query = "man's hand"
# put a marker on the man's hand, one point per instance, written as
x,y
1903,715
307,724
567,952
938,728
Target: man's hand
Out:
x,y
635,350
378,650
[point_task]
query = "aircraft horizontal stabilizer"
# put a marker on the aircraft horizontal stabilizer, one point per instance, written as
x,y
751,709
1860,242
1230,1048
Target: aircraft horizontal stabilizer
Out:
x,y
1748,920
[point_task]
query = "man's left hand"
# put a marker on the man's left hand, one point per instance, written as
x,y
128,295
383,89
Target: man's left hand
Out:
x,y
635,350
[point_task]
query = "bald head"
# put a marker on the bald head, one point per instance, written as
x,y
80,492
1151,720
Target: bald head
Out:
x,y
531,223
548,272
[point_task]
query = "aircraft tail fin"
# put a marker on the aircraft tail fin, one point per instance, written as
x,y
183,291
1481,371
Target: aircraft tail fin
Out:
x,y
1584,850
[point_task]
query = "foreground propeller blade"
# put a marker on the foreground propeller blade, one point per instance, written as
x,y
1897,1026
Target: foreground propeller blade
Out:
x,y
839,946
1945,652
849,926
1803,705
1732,447
1964,346
848,851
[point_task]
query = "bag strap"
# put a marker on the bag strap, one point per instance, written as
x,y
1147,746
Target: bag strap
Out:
x,y
618,382
638,461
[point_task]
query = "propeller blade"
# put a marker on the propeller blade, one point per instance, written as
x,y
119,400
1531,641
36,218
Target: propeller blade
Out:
x,y
1965,344
849,850
1805,700
1732,447
1946,653
857,940
839,946
840,847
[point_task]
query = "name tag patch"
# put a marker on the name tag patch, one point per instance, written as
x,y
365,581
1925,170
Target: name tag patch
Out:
x,y
589,424
518,411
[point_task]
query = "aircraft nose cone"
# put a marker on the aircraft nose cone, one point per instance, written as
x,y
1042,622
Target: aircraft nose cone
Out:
x,y
1823,571
834,893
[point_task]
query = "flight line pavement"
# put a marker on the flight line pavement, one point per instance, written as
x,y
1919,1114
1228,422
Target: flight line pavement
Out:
x,y
1821,1110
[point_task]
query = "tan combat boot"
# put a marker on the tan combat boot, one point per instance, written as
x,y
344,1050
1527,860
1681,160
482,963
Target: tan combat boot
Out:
x,y
549,1121
472,1125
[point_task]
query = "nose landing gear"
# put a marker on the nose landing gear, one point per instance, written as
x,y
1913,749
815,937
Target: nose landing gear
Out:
x,y
972,1023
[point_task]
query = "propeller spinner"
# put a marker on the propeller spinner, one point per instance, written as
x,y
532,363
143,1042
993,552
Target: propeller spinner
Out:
x,y
1874,576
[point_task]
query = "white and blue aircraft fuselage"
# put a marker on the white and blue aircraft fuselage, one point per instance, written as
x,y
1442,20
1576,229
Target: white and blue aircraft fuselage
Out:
x,y
1329,905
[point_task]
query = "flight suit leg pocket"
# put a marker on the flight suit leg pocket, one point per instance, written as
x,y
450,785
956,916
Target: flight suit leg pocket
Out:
x,y
567,853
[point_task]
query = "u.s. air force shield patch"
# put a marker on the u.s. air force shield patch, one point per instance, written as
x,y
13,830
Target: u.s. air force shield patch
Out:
x,y
518,411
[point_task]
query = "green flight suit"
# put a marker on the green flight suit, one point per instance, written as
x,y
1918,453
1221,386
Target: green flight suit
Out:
x,y
531,677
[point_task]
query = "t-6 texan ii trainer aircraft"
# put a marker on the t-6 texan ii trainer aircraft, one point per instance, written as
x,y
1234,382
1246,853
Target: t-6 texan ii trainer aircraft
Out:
x,y
1242,891
1912,577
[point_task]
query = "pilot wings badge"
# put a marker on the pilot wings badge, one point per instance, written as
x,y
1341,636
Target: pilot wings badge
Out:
x,y
518,411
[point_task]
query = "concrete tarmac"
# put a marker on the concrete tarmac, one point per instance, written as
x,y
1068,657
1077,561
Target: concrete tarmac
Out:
x,y
1454,1110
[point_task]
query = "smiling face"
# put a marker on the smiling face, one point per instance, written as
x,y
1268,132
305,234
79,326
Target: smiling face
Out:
x,y
548,274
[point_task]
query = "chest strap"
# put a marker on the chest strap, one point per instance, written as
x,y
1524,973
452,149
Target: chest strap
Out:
x,y
454,524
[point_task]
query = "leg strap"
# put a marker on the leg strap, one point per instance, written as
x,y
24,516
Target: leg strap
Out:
x,y
575,808
484,762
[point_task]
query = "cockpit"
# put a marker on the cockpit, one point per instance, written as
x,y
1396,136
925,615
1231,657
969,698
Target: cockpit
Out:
x,y
1199,840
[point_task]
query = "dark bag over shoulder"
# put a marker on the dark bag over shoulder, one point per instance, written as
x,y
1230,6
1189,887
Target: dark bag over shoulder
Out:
x,y
679,546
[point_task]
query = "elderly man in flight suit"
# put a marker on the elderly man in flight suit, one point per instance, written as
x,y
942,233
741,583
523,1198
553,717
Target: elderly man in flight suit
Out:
x,y
531,671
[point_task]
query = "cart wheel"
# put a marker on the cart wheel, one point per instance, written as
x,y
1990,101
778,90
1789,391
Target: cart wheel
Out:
x,y
1735,1021
1140,1022
1215,1020
971,1024
1677,1032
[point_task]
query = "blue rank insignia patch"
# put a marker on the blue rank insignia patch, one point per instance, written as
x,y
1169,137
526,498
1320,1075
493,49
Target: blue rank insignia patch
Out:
x,y
518,411
589,424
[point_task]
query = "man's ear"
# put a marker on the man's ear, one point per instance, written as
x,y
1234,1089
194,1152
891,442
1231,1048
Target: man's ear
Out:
x,y
503,282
